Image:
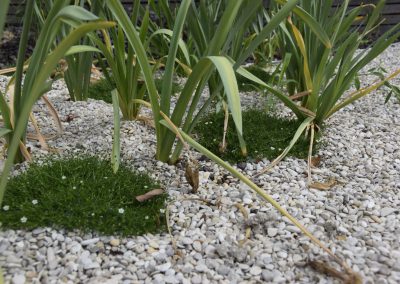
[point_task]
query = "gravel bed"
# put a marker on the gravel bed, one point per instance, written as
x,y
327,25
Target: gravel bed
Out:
x,y
358,219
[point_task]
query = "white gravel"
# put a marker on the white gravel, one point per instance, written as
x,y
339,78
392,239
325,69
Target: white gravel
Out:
x,y
358,219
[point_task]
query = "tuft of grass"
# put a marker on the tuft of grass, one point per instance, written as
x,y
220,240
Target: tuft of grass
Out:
x,y
101,90
266,136
82,193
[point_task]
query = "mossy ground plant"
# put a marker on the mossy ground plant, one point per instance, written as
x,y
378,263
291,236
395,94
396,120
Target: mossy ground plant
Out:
x,y
266,136
101,90
82,193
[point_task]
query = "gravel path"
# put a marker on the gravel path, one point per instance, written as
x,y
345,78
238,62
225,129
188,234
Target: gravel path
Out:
x,y
358,219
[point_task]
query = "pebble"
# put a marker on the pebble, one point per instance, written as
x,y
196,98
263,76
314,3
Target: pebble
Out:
x,y
386,211
272,232
51,259
115,242
163,267
196,279
18,279
197,246
90,241
255,270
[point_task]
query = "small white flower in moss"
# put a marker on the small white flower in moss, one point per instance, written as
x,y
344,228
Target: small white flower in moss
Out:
x,y
145,186
92,214
121,210
34,202
162,211
146,217
74,187
63,177
6,207
24,219
105,177
81,181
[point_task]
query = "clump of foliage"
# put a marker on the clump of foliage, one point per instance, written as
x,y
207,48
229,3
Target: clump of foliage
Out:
x,y
266,135
82,193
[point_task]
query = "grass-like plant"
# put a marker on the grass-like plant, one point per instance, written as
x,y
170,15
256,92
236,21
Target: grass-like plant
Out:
x,y
82,193
41,65
201,73
122,61
162,101
321,71
77,67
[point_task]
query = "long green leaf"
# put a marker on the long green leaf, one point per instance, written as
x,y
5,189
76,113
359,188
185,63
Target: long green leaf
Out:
x,y
116,149
312,23
81,48
173,49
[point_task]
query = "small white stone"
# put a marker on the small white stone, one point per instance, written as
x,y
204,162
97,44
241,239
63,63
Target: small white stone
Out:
x,y
154,244
18,279
197,246
272,232
115,242
387,211
255,270
90,241
163,267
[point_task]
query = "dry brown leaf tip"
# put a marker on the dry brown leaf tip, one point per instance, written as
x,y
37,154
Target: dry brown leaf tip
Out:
x,y
315,161
323,185
192,174
350,277
149,195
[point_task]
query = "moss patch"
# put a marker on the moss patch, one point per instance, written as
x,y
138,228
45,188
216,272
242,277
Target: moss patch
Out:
x,y
266,136
82,193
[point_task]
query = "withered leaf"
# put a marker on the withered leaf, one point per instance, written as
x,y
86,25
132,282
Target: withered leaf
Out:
x,y
315,161
348,278
150,194
192,174
323,268
323,185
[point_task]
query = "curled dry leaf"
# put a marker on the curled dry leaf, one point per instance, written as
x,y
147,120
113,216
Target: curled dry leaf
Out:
x,y
347,278
315,161
150,194
323,185
192,174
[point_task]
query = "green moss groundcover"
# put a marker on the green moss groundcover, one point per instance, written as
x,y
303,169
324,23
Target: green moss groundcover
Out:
x,y
82,193
266,136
